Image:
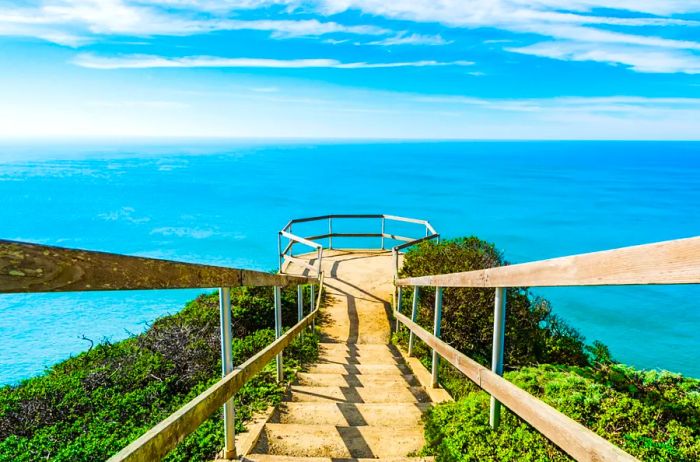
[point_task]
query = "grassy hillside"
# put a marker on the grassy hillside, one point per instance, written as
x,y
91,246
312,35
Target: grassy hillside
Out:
x,y
90,406
653,415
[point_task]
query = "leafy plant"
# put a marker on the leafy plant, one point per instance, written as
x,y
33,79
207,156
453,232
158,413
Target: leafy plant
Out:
x,y
90,406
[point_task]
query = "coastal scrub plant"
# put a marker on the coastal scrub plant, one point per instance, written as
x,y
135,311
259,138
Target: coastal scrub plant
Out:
x,y
653,415
533,333
88,407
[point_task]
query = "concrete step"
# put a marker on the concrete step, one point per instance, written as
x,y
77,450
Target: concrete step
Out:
x,y
364,369
354,360
384,394
339,441
276,458
350,414
348,380
363,357
356,347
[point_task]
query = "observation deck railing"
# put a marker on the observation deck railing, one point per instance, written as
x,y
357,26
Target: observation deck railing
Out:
x,y
32,268
286,253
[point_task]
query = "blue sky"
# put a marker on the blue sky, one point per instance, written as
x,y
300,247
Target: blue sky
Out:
x,y
490,69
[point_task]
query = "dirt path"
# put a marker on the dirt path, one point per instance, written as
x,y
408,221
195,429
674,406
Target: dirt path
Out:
x,y
359,288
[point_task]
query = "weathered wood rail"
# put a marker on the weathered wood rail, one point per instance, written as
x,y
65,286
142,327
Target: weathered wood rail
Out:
x,y
671,262
41,268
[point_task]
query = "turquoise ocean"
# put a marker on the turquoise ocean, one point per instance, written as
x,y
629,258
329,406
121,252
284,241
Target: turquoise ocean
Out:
x,y
221,202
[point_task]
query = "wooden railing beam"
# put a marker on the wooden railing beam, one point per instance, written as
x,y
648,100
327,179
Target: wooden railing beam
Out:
x,y
670,262
40,268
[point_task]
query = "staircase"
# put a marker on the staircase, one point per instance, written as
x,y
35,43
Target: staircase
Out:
x,y
361,400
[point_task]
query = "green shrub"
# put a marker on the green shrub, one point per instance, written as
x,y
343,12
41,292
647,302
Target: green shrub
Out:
x,y
90,406
657,424
533,333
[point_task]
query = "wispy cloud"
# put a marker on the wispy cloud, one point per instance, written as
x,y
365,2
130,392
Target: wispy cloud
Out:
x,y
411,39
640,59
152,61
601,104
575,23
75,23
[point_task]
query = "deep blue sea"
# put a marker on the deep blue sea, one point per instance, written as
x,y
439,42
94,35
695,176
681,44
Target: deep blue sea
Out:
x,y
223,202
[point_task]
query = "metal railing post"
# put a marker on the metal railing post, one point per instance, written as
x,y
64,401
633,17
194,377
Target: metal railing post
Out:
x,y
436,332
414,316
300,303
499,331
397,308
227,368
278,329
313,306
330,232
396,262
279,251
383,227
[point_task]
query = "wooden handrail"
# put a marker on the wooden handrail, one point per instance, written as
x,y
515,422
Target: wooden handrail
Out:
x,y
576,440
28,268
669,262
161,439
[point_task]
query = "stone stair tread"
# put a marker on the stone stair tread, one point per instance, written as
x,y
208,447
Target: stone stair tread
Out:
x,y
354,360
372,394
339,441
356,346
354,380
278,458
362,354
349,414
363,369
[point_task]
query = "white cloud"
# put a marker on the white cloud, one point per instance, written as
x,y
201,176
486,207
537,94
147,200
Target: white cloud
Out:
x,y
152,61
640,59
411,39
610,106
77,22
570,21
73,22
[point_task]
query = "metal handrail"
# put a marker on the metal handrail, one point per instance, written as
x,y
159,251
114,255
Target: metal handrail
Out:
x,y
670,262
34,268
286,254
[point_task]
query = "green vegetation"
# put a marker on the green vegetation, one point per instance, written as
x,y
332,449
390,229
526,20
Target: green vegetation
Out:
x,y
90,406
653,415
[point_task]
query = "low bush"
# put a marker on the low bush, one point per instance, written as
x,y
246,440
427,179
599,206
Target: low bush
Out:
x,y
90,406
658,422
653,415
533,333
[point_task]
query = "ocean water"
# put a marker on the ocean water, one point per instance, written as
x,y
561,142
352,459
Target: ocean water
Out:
x,y
223,202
